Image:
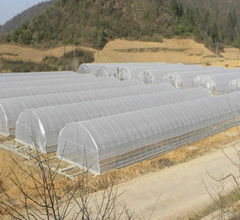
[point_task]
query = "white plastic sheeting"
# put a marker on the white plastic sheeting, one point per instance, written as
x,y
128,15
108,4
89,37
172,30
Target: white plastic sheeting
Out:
x,y
234,85
32,74
43,125
89,68
185,78
11,108
108,70
31,91
53,81
151,74
148,72
133,71
43,77
217,83
126,71
116,141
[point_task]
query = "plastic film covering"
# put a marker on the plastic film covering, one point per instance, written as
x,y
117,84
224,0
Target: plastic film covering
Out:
x,y
158,76
235,85
116,141
89,68
45,124
31,91
185,78
53,81
108,70
217,83
155,74
43,77
138,71
32,74
13,107
125,71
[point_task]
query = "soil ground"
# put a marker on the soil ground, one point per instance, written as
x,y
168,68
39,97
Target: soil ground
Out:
x,y
177,191
146,181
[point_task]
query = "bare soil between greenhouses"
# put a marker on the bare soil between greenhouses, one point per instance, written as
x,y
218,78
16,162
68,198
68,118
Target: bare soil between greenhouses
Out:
x,y
132,179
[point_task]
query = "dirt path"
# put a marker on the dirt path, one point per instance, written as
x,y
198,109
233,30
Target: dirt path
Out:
x,y
177,191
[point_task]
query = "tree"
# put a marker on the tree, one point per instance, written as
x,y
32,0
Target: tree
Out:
x,y
49,200
177,8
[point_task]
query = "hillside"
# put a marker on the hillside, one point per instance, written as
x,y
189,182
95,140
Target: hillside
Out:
x,y
19,58
94,23
215,19
24,17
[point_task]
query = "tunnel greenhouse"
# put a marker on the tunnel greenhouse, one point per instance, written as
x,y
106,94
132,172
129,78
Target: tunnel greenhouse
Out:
x,y
111,142
235,85
217,83
11,108
41,90
185,78
45,124
89,68
52,81
33,74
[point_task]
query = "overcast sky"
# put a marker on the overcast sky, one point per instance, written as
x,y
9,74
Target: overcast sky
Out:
x,y
10,8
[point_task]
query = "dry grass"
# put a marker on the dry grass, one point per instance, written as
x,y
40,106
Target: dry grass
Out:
x,y
170,51
185,51
23,53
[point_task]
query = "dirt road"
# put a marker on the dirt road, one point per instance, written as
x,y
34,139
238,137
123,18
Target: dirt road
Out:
x,y
177,191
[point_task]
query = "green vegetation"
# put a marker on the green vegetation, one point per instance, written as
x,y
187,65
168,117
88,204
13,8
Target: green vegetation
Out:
x,y
213,22
150,49
20,66
94,23
25,17
70,61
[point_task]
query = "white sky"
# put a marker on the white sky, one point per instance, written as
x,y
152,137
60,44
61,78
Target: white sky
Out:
x,y
10,8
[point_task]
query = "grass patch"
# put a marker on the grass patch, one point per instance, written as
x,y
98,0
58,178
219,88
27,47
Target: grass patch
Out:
x,y
20,66
9,54
227,202
151,50
69,61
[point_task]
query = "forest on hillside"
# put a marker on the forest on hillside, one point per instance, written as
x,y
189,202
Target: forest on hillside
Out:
x,y
95,22
24,17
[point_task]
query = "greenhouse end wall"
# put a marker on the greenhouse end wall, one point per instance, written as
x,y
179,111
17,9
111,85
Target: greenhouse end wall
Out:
x,y
86,154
